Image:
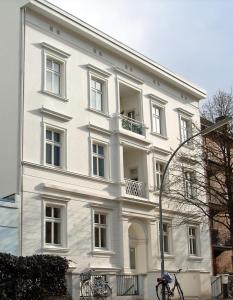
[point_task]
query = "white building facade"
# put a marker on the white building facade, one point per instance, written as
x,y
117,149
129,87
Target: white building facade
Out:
x,y
92,125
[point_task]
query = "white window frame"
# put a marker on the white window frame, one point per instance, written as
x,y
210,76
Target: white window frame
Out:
x,y
106,158
189,184
63,144
168,222
64,236
160,105
156,173
104,83
59,56
187,117
108,214
197,239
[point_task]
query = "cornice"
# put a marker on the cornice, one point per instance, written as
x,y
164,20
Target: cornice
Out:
x,y
128,75
55,114
157,99
98,71
55,50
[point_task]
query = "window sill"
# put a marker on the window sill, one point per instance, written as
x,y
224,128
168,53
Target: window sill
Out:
x,y
97,252
98,112
59,168
55,96
55,249
169,256
195,258
99,178
164,137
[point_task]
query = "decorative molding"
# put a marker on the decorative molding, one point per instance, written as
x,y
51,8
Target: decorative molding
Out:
x,y
54,95
160,150
99,129
157,99
55,249
184,112
55,197
54,114
98,112
130,76
55,50
98,71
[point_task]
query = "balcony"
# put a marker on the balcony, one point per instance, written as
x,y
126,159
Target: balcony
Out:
x,y
135,188
132,125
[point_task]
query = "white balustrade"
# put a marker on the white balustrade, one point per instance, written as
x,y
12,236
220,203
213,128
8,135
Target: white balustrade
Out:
x,y
135,188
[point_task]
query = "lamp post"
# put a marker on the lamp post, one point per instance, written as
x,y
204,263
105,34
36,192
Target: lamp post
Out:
x,y
203,132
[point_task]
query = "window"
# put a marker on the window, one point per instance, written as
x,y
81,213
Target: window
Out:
x,y
167,238
98,160
53,225
100,230
133,174
193,238
157,119
53,148
189,187
132,258
159,169
53,76
185,129
97,94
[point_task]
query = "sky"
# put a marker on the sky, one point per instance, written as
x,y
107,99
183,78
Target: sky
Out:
x,y
192,38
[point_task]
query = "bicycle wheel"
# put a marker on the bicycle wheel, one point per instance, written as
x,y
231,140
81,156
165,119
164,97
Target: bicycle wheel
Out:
x,y
103,292
180,292
159,290
87,291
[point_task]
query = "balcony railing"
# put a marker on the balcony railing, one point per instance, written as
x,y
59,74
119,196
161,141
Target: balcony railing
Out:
x,y
132,125
127,285
135,188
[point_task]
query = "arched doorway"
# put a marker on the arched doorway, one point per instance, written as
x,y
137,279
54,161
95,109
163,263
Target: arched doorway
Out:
x,y
137,247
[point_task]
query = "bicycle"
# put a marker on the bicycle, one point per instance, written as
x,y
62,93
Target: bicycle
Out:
x,y
94,286
163,286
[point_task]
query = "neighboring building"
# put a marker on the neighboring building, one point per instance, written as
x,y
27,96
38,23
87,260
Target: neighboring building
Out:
x,y
220,235
9,224
87,125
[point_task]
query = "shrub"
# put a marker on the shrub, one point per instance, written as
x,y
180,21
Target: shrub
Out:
x,y
32,277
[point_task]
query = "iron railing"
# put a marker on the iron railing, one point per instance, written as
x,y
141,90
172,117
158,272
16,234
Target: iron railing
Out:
x,y
87,290
127,285
216,287
132,125
135,188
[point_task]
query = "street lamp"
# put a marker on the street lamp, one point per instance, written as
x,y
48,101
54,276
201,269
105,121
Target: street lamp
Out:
x,y
202,132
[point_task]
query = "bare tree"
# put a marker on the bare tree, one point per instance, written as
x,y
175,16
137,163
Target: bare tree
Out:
x,y
202,183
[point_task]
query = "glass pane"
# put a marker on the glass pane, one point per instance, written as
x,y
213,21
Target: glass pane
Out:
x,y
56,67
101,167
99,105
97,237
102,219
96,218
98,86
94,148
103,237
93,83
57,233
56,212
132,255
158,127
48,232
100,150
95,166
49,63
49,135
165,244
49,81
56,137
48,212
165,227
93,99
56,84
194,247
48,154
56,155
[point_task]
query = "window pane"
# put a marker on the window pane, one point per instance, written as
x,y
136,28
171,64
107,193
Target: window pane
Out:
x,y
103,237
48,212
101,167
95,166
96,218
48,154
102,219
56,84
56,212
49,81
48,232
56,67
49,63
100,150
93,83
49,135
132,255
56,156
93,99
97,237
94,148
98,86
165,244
56,137
99,102
57,233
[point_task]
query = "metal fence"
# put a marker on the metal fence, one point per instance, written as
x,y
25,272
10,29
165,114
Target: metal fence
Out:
x,y
127,285
216,287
